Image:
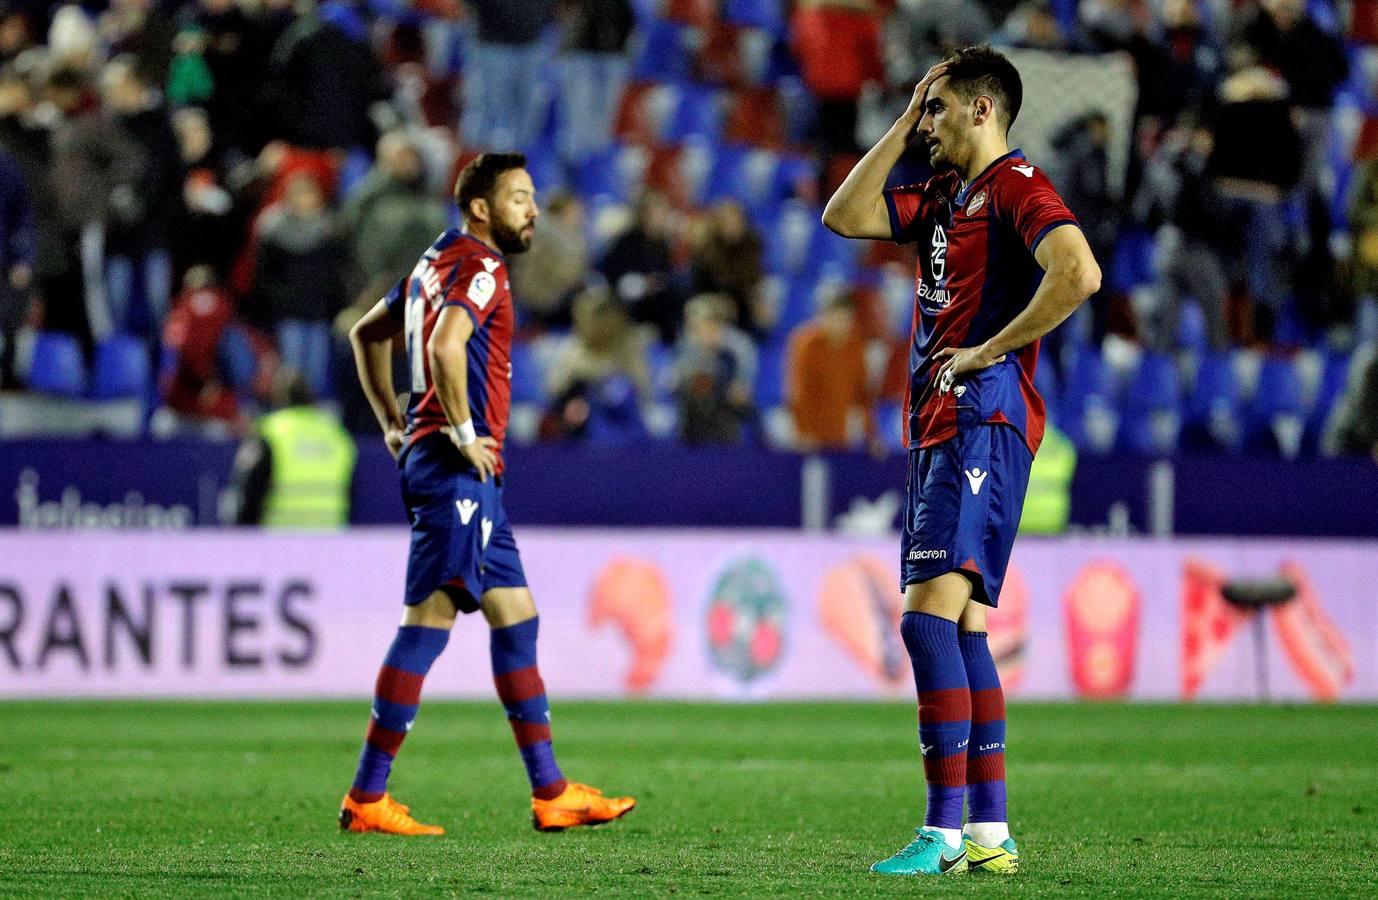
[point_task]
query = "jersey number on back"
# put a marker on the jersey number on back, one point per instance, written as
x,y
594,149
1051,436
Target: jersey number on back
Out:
x,y
415,321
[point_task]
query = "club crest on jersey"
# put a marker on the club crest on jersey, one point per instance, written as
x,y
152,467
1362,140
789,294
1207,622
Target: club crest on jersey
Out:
x,y
976,203
481,289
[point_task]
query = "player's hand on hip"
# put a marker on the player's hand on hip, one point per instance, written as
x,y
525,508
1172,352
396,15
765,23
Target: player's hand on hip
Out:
x,y
482,453
394,437
962,361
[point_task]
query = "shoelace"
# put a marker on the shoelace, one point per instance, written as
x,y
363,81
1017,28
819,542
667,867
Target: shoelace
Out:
x,y
914,847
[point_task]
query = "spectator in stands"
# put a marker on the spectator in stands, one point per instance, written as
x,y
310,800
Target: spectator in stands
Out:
x,y
235,65
1363,224
639,267
391,214
727,260
74,41
143,30
300,284
1354,424
16,33
920,33
602,379
18,256
96,175
504,93
148,207
323,82
1179,193
593,73
25,135
197,397
1287,39
714,372
1254,177
1033,26
838,45
827,388
214,224
1178,70
1082,174
546,277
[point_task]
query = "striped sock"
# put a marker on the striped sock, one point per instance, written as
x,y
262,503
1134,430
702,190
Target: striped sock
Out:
x,y
522,693
396,699
986,753
944,713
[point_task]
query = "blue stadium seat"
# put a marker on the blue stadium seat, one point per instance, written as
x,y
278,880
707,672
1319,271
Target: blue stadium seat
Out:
x,y
831,254
1334,378
793,172
799,303
770,375
58,367
1152,408
1090,401
1089,376
527,377
1048,384
1133,261
353,171
699,113
547,172
1275,414
663,53
1212,417
789,238
765,14
1191,328
122,369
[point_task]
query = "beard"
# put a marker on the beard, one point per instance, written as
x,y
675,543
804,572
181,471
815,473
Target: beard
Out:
x,y
511,240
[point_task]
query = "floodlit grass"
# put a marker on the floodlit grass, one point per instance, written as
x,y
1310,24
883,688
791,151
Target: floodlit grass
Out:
x,y
158,799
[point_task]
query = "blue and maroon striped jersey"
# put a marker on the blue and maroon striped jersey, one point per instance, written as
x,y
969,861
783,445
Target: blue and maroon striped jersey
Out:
x,y
459,270
976,272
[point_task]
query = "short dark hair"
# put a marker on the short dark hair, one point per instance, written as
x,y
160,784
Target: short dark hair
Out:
x,y
480,177
976,70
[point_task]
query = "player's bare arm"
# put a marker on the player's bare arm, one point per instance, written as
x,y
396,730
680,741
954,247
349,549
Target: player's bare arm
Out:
x,y
1070,276
371,338
857,209
448,357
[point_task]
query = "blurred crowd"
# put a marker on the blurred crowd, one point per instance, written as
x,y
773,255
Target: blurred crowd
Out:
x,y
220,188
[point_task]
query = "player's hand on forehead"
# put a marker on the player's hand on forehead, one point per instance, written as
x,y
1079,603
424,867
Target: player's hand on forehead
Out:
x,y
916,103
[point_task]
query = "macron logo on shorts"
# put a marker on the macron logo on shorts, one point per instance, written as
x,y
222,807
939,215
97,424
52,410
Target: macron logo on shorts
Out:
x,y
921,555
466,508
976,478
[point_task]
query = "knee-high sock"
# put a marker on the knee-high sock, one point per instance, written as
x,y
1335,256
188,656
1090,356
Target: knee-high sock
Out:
x,y
522,693
396,699
986,753
944,713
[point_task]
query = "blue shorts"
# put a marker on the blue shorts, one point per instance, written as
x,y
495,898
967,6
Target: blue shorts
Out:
x,y
461,541
963,499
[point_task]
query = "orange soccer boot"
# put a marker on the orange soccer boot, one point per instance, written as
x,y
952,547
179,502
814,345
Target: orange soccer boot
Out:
x,y
385,815
578,805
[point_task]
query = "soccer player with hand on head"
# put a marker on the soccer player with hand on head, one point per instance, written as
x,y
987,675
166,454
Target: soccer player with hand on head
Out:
x,y
456,311
1001,263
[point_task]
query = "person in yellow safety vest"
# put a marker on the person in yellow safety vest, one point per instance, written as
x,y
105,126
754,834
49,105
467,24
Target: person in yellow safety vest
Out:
x,y
296,468
1050,485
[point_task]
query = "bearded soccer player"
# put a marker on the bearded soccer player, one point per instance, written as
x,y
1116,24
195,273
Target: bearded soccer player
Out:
x,y
456,312
1001,263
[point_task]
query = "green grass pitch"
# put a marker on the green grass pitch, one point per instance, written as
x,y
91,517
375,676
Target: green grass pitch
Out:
x,y
162,799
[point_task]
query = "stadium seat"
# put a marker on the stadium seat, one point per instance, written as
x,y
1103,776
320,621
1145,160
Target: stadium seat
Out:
x,y
770,375
1191,328
1334,378
526,376
1152,408
58,367
1275,415
663,51
697,113
122,369
1212,409
789,237
1090,402
1047,383
661,360
831,254
768,15
353,171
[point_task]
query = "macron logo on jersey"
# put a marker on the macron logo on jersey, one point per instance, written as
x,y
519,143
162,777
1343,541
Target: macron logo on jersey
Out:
x,y
976,478
1026,171
466,508
491,264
